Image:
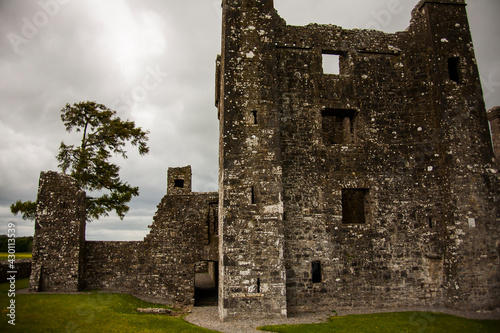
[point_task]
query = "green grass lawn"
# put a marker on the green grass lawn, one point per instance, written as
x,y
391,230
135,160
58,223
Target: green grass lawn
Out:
x,y
105,312
21,255
397,322
94,312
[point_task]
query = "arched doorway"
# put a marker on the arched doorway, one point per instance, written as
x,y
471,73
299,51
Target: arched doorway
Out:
x,y
206,283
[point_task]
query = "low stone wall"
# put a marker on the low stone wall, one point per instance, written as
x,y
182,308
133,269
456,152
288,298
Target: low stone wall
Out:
x,y
112,266
22,267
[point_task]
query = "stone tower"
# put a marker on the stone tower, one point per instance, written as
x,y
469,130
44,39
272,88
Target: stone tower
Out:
x,y
179,180
59,241
252,270
469,210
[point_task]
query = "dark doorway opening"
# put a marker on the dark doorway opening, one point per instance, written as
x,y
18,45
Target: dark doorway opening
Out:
x,y
206,283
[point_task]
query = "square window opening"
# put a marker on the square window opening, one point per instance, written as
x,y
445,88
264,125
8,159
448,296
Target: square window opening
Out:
x,y
331,63
354,206
338,126
179,183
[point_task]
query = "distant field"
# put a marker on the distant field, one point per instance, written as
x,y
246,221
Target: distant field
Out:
x,y
21,255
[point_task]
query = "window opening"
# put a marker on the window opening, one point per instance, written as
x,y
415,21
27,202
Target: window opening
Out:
x,y
254,117
431,224
454,69
338,126
331,63
179,183
258,285
354,206
316,271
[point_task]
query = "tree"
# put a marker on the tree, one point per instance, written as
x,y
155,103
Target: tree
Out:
x,y
103,135
26,208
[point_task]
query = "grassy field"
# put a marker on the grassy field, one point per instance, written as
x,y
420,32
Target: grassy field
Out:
x,y
21,255
94,312
398,322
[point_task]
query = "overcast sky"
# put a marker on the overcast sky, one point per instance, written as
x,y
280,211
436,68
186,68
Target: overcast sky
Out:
x,y
154,62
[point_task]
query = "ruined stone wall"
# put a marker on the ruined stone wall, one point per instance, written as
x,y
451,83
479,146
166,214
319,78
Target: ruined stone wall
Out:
x,y
113,266
377,257
59,240
183,233
161,268
22,268
411,151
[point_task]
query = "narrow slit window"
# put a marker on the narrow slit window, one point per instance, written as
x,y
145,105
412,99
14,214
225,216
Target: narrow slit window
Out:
x,y
454,69
254,117
179,183
431,224
252,196
331,64
316,271
258,285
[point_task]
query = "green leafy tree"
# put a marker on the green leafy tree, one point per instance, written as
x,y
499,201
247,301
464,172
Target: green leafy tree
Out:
x,y
26,208
103,135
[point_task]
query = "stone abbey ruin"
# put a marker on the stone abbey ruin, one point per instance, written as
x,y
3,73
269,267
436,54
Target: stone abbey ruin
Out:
x,y
375,186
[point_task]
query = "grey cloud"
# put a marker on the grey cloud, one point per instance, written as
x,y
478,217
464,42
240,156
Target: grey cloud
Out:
x,y
73,58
